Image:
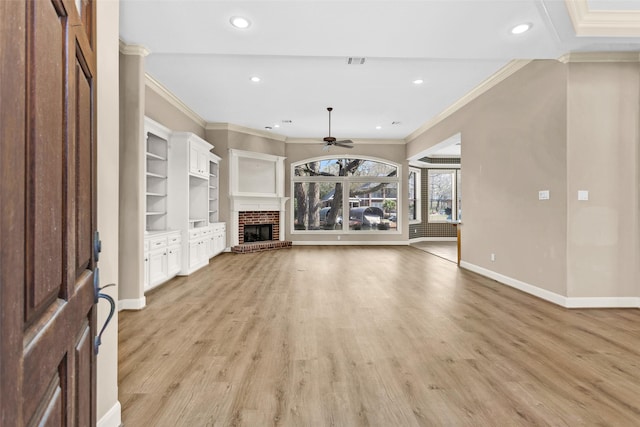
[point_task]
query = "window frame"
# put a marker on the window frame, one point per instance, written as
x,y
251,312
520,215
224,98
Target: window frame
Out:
x,y
346,182
454,172
417,186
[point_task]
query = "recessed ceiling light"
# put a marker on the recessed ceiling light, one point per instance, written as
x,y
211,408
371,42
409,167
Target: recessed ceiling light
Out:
x,y
255,79
418,81
522,28
240,22
276,126
378,127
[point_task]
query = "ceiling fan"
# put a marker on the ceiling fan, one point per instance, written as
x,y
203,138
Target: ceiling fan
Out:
x,y
329,140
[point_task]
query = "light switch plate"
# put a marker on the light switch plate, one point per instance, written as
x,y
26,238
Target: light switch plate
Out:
x,y
543,195
583,195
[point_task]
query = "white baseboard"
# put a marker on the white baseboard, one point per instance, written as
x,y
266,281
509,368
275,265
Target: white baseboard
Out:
x,y
433,239
567,302
603,302
113,417
132,304
515,283
350,243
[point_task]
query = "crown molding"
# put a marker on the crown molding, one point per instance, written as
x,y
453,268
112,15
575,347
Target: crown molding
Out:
x,y
248,131
133,49
613,23
600,57
158,88
502,74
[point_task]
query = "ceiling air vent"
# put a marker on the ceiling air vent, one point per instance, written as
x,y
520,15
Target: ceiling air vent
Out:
x,y
354,60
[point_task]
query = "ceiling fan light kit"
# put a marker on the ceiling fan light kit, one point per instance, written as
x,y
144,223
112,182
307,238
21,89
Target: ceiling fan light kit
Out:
x,y
330,140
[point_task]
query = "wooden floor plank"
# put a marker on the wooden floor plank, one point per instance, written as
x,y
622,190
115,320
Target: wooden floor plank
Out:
x,y
370,336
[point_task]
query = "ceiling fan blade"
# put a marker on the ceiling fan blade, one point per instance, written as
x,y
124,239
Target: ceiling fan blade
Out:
x,y
344,144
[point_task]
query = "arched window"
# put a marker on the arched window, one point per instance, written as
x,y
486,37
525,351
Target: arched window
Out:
x,y
345,194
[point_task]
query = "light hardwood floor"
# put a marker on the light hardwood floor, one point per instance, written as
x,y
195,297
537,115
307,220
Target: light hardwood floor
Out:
x,y
370,336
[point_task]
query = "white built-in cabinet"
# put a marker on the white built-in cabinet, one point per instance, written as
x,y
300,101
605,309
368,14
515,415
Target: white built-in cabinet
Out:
x,y
217,238
214,181
156,147
162,257
182,230
196,197
199,158
162,245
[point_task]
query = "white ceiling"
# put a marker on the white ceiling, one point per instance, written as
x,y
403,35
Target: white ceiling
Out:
x,y
300,48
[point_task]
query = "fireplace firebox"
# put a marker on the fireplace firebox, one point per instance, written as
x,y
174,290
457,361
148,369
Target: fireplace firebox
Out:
x,y
258,233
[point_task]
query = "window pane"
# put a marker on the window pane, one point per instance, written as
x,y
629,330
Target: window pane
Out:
x,y
360,167
317,206
319,168
412,195
373,206
459,195
440,194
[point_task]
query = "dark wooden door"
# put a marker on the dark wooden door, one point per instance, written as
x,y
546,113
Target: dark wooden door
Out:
x,y
47,208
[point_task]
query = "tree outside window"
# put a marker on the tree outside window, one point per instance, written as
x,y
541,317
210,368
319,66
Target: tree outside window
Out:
x,y
443,195
322,188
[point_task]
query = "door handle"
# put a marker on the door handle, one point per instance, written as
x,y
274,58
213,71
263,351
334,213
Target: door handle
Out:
x,y
98,340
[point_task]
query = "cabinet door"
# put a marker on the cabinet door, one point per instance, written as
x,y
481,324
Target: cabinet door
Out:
x,y
198,161
203,163
193,253
203,246
157,267
221,241
193,159
211,248
146,270
174,258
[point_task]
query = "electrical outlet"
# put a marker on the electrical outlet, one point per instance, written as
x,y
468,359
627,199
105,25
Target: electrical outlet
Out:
x,y
339,237
493,257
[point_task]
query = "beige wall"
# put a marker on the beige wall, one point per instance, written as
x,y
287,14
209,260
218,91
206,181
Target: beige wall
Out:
x,y
513,145
131,176
563,128
602,143
108,408
396,153
166,113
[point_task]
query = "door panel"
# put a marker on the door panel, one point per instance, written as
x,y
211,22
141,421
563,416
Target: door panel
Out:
x,y
83,184
47,208
46,41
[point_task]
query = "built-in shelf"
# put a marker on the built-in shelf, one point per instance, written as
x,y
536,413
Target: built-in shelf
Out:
x,y
155,156
213,188
155,175
156,171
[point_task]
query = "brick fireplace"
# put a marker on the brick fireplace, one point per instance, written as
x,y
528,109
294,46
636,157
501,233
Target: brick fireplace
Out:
x,y
258,218
256,195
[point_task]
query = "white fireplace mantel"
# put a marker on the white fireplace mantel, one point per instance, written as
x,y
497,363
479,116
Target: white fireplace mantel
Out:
x,y
243,203
256,183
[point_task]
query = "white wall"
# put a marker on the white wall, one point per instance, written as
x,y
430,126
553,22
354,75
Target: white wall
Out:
x,y
108,407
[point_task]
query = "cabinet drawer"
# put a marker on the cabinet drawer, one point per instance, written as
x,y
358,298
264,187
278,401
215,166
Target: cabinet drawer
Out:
x,y
194,234
174,239
157,242
218,228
